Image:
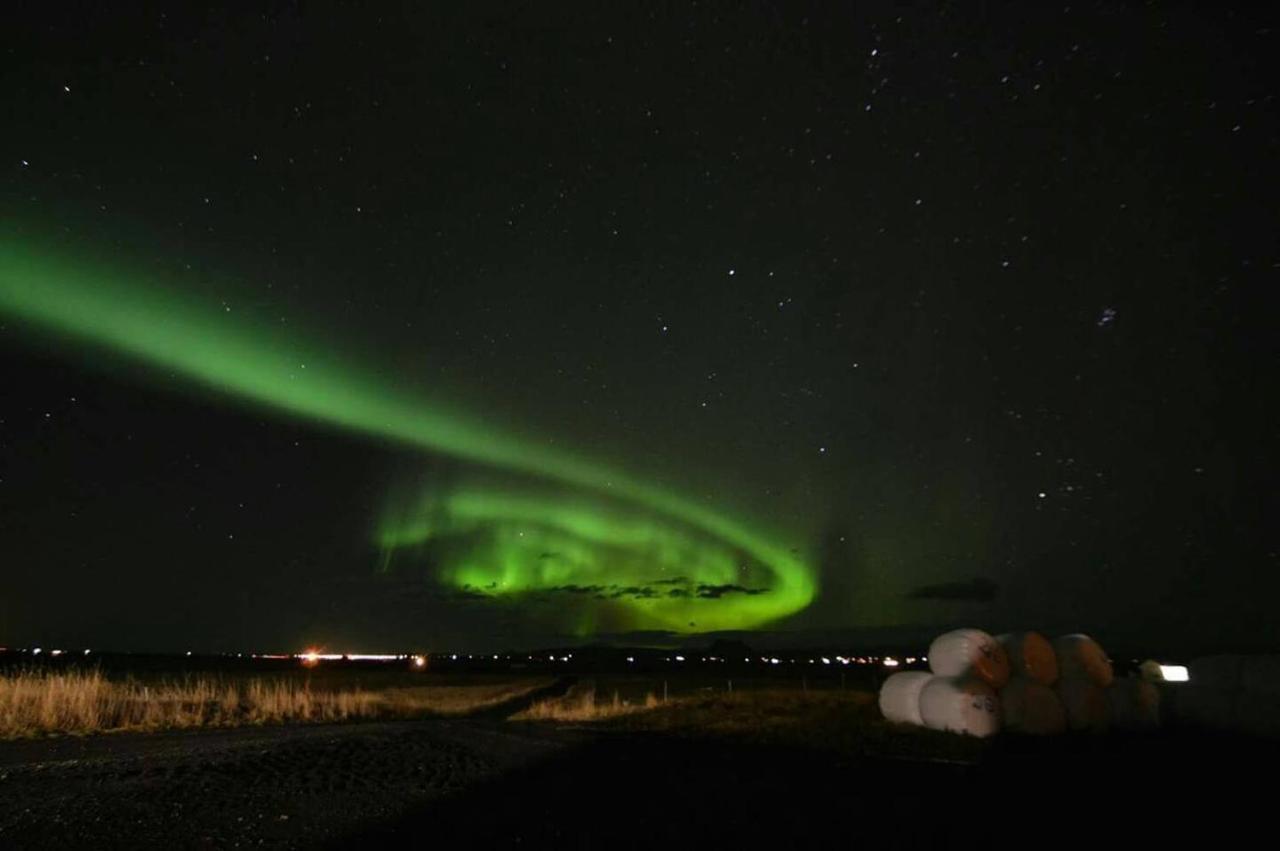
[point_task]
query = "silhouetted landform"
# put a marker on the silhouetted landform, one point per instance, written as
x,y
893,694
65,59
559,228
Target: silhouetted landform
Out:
x,y
977,590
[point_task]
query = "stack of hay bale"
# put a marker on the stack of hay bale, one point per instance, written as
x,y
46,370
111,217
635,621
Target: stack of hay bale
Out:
x,y
1029,701
968,666
1020,682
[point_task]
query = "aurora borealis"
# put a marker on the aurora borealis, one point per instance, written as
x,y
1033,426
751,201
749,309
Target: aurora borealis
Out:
x,y
522,325
530,544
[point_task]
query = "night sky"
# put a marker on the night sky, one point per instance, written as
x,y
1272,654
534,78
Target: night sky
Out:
x,y
493,325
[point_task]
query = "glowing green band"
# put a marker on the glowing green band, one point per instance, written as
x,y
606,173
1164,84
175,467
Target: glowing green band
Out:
x,y
269,367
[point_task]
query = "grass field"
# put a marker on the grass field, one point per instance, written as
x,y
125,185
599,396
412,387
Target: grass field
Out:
x,y
79,702
846,721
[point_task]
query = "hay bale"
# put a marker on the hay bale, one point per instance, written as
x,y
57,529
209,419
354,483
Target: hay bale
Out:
x,y
1216,672
1085,704
1031,656
960,705
900,697
969,652
1133,704
1031,707
1082,658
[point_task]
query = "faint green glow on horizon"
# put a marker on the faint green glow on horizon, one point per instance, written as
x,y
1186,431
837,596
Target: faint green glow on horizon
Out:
x,y
615,531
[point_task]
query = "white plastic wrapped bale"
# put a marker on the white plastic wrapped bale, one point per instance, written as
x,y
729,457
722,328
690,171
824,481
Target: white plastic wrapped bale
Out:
x,y
1082,658
1085,705
1260,674
1232,693
969,652
1206,706
960,705
1258,713
1031,656
900,697
1216,672
1133,704
1031,707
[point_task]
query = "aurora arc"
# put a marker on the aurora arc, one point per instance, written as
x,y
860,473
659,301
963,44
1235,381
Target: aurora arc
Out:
x,y
628,532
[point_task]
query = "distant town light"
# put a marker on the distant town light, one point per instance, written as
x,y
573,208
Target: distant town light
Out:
x,y
679,658
1175,673
890,662
419,661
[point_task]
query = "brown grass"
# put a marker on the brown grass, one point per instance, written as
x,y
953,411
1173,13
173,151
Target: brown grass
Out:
x,y
580,703
847,722
37,703
843,722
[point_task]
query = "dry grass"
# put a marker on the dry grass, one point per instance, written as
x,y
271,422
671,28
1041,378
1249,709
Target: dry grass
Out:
x,y
580,703
37,703
846,722
843,722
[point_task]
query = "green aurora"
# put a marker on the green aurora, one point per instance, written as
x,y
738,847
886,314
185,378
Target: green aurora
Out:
x,y
642,556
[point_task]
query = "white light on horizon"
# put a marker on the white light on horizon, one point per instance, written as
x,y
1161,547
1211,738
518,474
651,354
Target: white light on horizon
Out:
x,y
1175,673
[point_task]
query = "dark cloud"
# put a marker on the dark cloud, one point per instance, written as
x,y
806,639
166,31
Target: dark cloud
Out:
x,y
977,590
578,589
715,592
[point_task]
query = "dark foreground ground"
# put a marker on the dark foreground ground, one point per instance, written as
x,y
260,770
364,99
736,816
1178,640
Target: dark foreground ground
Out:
x,y
483,783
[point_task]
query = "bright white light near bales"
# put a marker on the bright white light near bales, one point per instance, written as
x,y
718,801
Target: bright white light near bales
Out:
x,y
1175,673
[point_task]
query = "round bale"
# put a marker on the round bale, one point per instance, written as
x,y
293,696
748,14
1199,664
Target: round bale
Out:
x,y
969,652
1082,658
1032,707
960,705
900,697
1133,704
1030,656
1085,704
